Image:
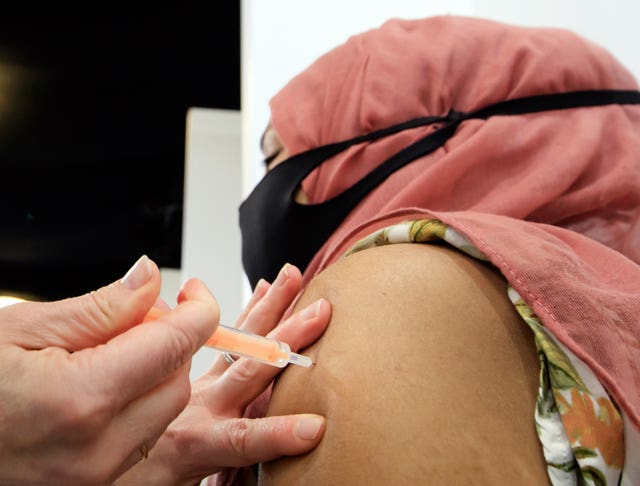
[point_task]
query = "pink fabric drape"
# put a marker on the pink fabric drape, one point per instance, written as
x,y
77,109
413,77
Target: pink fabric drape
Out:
x,y
553,198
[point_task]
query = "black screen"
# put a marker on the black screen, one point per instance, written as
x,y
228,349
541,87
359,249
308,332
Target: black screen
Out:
x,y
92,127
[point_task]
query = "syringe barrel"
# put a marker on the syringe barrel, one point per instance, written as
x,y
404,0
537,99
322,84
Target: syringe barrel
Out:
x,y
235,341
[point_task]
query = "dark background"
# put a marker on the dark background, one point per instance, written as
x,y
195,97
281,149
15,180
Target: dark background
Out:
x,y
93,104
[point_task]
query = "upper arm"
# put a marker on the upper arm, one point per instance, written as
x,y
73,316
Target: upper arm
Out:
x,y
425,371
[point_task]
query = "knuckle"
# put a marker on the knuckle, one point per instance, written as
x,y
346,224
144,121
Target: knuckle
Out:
x,y
237,437
99,305
180,349
186,439
79,416
244,371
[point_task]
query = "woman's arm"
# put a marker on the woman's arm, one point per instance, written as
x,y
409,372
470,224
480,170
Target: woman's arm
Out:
x,y
426,375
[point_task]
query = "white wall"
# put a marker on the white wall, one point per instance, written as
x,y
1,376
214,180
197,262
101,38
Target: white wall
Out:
x,y
212,194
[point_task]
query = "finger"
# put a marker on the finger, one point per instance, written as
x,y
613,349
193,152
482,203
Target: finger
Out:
x,y
221,364
267,311
161,304
90,319
258,293
141,358
246,379
145,419
241,442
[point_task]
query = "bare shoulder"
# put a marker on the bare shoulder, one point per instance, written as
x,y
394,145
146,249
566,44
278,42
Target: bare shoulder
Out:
x,y
403,268
425,367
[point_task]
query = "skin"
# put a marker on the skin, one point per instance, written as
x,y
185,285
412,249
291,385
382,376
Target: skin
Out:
x,y
275,153
272,148
87,382
83,374
426,375
210,433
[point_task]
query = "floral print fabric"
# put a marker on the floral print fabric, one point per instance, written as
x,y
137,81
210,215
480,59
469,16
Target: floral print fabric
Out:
x,y
581,430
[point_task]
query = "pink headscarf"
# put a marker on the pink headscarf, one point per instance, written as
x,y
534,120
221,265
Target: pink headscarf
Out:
x,y
552,198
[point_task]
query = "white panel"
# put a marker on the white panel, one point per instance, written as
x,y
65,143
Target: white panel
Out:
x,y
171,282
212,194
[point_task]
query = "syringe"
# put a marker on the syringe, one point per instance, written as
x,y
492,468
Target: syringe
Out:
x,y
259,348
248,345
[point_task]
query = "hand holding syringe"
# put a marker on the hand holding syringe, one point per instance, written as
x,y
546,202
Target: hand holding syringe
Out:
x,y
242,343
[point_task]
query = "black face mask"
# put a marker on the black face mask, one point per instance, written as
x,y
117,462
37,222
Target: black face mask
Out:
x,y
276,229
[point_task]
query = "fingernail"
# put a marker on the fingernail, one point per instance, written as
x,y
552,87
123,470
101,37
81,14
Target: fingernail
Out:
x,y
308,428
139,274
260,286
310,311
161,304
283,276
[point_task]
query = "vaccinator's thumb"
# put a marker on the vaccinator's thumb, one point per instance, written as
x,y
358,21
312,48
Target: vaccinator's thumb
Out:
x,y
88,320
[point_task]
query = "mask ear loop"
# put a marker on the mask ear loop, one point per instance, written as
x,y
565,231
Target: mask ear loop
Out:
x,y
298,167
517,106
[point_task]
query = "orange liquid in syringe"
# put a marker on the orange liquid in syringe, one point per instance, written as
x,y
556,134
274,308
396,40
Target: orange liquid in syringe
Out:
x,y
243,344
235,341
